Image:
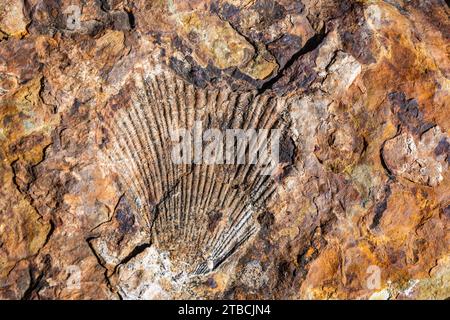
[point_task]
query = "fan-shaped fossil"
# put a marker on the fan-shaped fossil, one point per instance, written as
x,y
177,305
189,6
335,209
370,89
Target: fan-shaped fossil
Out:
x,y
200,212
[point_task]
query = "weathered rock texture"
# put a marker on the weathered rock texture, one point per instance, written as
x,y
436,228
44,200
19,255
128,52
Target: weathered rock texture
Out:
x,y
92,207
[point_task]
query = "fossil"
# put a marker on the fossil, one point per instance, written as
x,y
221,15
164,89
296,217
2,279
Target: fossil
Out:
x,y
201,213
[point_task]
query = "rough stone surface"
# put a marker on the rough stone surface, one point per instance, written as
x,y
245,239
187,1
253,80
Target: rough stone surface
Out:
x,y
92,208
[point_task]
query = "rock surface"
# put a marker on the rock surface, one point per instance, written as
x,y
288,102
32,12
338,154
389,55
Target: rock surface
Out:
x,y
91,206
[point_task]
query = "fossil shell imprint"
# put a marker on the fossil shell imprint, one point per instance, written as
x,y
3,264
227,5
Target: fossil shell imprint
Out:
x,y
201,213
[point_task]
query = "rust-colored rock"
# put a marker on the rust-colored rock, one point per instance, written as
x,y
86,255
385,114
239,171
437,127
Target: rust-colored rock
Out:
x,y
94,206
